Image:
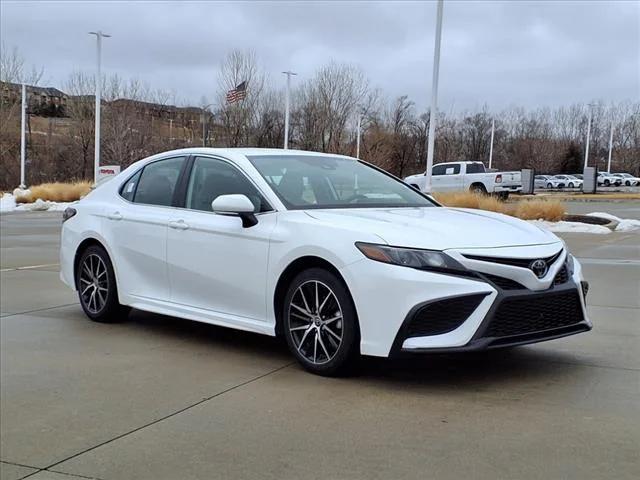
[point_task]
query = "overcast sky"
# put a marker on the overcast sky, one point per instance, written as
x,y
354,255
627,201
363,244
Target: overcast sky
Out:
x,y
536,53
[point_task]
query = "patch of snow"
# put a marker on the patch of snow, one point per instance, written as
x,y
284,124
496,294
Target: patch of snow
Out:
x,y
628,225
624,224
571,227
21,192
7,203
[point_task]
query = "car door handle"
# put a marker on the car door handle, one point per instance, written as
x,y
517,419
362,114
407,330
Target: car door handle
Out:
x,y
178,225
115,216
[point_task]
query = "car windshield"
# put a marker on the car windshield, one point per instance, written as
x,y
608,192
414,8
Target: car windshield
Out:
x,y
306,181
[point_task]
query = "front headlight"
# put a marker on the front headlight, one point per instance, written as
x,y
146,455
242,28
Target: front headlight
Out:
x,y
410,257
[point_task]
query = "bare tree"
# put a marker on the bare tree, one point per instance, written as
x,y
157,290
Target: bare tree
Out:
x,y
239,119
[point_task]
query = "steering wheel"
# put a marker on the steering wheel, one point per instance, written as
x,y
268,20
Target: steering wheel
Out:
x,y
355,197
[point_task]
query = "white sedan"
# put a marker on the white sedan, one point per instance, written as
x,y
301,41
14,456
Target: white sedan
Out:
x,y
336,256
569,181
547,181
627,179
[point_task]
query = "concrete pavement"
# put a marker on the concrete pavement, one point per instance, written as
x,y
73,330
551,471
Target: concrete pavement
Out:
x,y
163,398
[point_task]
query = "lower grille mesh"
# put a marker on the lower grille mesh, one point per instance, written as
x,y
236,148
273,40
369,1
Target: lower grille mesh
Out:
x,y
517,316
442,316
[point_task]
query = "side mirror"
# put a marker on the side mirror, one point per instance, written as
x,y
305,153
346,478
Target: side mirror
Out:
x,y
236,204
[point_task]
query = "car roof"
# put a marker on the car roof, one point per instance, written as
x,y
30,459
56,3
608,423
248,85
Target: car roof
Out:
x,y
252,152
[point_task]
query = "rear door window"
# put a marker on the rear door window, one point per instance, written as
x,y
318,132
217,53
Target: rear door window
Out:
x,y
475,168
439,170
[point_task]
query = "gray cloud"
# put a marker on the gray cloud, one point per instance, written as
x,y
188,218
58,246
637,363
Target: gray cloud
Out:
x,y
499,53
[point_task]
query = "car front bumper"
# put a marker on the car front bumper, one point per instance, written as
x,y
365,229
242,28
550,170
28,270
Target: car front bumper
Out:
x,y
387,298
505,326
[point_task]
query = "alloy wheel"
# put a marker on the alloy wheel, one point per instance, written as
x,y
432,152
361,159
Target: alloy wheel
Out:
x,y
315,322
94,283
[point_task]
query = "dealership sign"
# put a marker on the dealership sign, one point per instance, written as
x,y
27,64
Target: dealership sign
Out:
x,y
107,171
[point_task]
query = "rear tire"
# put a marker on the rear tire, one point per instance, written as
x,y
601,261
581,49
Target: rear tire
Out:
x,y
97,289
478,189
607,183
320,323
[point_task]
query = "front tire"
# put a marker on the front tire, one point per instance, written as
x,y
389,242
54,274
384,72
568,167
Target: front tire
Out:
x,y
320,323
570,185
549,186
97,289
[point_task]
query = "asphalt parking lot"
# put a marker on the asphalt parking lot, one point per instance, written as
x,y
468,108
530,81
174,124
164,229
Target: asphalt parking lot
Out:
x,y
163,398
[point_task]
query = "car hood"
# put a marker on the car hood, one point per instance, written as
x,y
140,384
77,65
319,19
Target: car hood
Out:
x,y
438,228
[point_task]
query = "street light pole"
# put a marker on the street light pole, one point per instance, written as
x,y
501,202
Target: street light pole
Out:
x,y
610,149
288,73
493,129
23,136
434,97
96,158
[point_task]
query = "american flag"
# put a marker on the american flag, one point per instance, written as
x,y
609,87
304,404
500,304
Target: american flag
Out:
x,y
238,93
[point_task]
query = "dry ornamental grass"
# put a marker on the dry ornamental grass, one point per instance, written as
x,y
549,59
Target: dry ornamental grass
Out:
x,y
56,192
536,209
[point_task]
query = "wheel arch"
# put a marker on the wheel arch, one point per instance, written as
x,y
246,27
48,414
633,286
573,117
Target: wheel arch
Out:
x,y
86,243
476,186
294,268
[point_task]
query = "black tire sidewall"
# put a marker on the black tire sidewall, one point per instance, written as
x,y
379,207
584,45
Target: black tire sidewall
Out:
x,y
349,350
112,310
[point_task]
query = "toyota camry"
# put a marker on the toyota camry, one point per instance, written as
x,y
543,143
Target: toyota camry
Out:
x,y
335,255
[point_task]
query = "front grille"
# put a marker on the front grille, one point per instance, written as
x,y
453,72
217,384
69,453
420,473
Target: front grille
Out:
x,y
442,316
504,283
514,262
562,276
518,316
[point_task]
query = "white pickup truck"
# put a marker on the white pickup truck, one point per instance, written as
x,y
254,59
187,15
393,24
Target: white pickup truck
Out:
x,y
457,176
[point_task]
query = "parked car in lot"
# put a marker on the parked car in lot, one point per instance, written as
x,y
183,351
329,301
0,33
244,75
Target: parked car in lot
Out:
x,y
547,181
334,255
627,179
569,181
472,176
608,179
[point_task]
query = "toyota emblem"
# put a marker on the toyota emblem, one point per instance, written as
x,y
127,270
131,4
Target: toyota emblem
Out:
x,y
539,267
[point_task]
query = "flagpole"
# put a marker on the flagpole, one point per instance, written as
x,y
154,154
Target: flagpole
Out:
x,y
288,73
